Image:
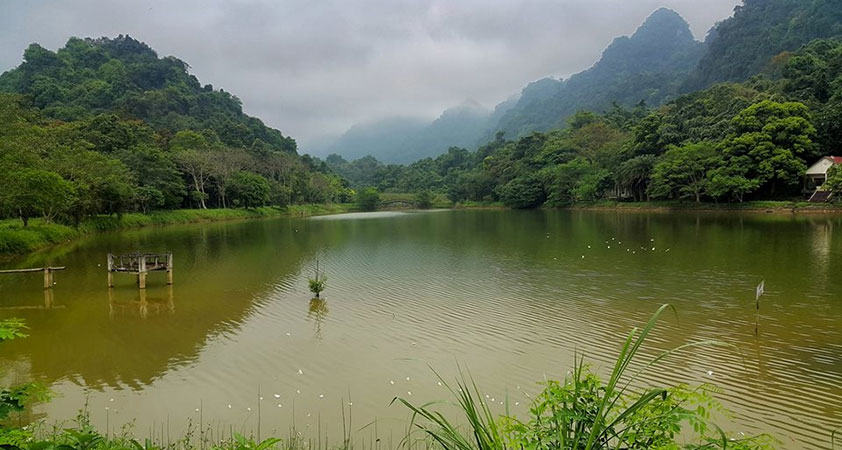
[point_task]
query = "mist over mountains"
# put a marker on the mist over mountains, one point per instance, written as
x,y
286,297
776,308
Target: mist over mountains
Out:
x,y
650,66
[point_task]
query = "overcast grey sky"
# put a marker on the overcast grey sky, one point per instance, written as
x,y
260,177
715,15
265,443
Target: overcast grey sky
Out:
x,y
313,68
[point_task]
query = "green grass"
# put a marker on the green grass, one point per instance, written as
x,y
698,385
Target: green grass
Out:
x,y
15,239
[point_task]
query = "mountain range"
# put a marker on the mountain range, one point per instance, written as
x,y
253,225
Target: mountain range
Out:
x,y
656,64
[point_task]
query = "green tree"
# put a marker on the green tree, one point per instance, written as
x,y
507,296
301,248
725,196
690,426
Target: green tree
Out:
x,y
424,200
368,199
683,171
523,193
776,137
249,190
33,192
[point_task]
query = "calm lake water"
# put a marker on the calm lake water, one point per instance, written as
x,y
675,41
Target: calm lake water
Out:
x,y
509,295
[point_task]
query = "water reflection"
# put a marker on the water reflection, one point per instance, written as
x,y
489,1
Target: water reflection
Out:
x,y
507,293
317,311
141,305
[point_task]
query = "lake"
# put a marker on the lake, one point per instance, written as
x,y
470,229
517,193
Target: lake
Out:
x,y
511,296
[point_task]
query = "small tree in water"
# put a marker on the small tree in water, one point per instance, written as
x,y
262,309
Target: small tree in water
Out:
x,y
318,283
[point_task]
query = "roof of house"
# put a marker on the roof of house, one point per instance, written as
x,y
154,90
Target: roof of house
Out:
x,y
836,159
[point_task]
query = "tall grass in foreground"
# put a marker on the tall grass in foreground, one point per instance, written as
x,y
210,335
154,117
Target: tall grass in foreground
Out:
x,y
583,412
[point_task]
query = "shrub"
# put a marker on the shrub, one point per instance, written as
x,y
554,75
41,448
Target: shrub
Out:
x,y
368,199
523,193
424,200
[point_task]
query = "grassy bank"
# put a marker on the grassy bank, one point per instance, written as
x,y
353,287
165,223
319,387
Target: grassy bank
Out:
x,y
16,239
773,206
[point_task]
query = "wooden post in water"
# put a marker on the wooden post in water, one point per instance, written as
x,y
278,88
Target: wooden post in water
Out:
x,y
141,272
169,268
48,278
110,270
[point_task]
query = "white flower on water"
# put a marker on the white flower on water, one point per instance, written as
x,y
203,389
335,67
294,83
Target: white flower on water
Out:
x,y
710,373
277,395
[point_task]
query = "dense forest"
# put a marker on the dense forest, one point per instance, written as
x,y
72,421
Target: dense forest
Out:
x,y
105,126
731,142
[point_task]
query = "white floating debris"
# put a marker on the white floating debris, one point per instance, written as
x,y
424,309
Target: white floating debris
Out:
x,y
391,381
321,396
300,372
609,246
288,334
439,383
583,256
350,403
308,415
110,399
407,378
277,395
710,373
229,406
408,392
260,398
280,405
589,246
666,250
197,409
652,240
297,391
517,403
248,409
653,249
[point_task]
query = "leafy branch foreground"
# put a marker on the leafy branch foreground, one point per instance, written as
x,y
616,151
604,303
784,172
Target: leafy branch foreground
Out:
x,y
582,412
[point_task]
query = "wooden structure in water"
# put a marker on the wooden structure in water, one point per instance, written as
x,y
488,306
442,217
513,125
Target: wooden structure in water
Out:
x,y
49,276
140,264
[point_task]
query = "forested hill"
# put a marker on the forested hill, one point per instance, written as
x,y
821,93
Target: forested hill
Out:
x,y
124,76
760,35
104,126
648,67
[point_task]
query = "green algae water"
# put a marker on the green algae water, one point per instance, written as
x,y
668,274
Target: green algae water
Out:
x,y
512,296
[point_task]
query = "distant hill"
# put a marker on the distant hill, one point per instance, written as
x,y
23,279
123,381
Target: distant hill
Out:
x,y
648,66
124,76
759,31
404,140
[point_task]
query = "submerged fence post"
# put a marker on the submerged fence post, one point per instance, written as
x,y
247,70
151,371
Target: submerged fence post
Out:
x,y
169,268
48,278
141,272
110,270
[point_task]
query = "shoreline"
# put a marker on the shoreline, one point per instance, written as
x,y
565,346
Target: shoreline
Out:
x,y
17,240
769,207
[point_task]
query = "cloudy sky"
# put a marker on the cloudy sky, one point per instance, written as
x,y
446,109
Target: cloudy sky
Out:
x,y
313,68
